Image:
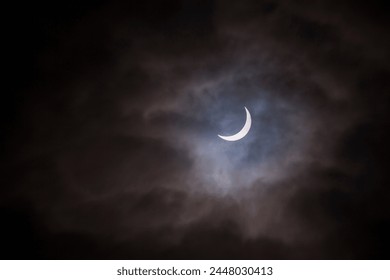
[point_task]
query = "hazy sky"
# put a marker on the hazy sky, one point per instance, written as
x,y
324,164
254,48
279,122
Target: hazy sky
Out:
x,y
111,121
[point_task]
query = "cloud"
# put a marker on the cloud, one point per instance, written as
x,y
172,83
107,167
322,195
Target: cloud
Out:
x,y
120,153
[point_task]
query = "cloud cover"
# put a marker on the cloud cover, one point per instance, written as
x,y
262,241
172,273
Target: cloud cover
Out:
x,y
113,149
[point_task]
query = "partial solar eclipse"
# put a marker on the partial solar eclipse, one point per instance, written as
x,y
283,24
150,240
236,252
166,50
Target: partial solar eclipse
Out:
x,y
243,132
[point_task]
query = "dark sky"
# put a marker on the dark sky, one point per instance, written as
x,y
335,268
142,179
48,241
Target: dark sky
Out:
x,y
111,112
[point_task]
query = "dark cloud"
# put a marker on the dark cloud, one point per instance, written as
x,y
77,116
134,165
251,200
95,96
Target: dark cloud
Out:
x,y
110,131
